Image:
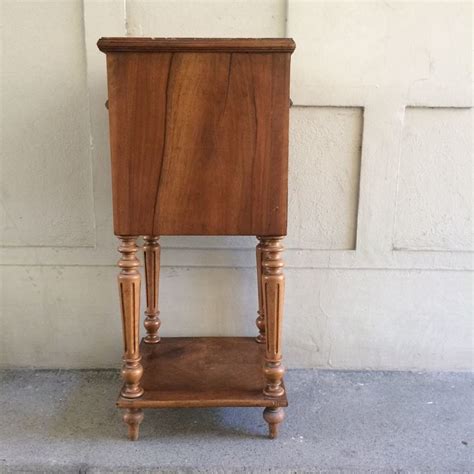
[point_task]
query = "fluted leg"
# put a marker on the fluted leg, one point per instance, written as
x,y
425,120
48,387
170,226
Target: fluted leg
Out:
x,y
260,321
273,292
133,417
273,302
129,288
151,250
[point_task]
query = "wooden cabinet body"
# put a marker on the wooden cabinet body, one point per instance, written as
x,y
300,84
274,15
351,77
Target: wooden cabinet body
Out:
x,y
199,146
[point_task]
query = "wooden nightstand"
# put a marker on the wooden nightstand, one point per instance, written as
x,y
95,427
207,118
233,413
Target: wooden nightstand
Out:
x,y
199,145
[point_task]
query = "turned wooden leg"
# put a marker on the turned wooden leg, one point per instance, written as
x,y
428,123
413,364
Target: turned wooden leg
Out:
x,y
273,416
133,417
260,321
129,288
151,249
273,299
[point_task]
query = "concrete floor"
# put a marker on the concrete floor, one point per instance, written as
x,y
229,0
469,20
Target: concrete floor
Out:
x,y
65,421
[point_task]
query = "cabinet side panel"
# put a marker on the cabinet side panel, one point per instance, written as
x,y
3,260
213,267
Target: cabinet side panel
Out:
x,y
137,85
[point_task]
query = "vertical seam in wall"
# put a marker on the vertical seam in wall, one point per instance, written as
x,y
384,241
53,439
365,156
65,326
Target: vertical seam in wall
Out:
x,y
361,147
397,177
285,27
89,124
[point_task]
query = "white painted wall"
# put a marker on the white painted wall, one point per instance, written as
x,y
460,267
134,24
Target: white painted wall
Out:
x,y
379,259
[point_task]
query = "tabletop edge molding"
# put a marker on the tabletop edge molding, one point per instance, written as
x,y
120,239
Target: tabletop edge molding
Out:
x,y
215,45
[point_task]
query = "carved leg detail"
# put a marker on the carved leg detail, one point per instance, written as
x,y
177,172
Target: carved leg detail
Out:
x,y
260,321
129,289
273,301
273,416
151,250
133,417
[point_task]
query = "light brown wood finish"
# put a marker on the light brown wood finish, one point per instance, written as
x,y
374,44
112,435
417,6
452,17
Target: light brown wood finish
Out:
x,y
133,417
203,372
199,140
209,45
274,417
260,318
199,146
151,250
129,289
273,303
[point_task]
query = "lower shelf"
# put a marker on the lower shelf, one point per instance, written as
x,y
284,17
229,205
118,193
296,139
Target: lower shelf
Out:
x,y
203,372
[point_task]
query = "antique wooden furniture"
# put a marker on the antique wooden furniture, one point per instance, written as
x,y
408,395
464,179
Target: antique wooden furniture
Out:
x,y
199,145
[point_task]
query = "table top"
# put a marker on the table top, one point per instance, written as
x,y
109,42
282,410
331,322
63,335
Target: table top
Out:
x,y
250,45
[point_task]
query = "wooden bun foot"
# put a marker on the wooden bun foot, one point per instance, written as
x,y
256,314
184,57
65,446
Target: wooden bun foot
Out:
x,y
273,416
133,417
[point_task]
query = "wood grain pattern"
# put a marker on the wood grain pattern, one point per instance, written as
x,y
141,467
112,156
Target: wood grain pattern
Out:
x,y
203,372
249,45
199,146
129,291
199,142
273,305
